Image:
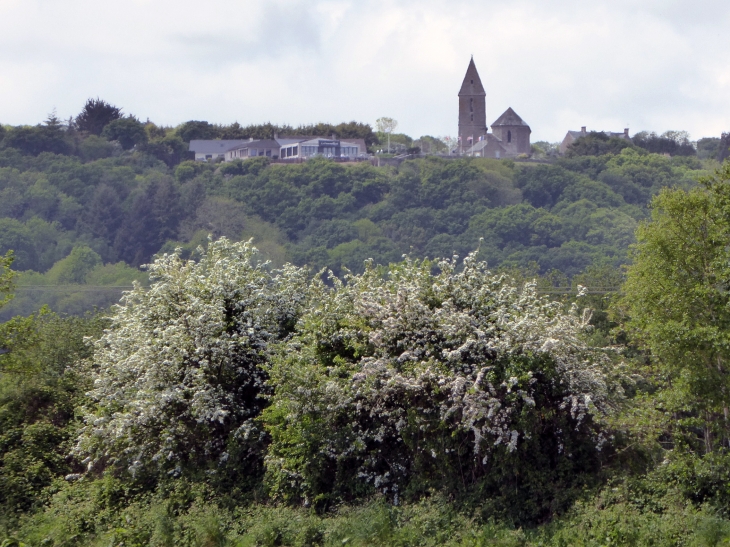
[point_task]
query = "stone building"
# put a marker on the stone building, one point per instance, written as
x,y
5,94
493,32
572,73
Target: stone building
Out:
x,y
472,108
510,135
513,132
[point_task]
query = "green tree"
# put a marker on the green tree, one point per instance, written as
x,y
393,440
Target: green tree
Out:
x,y
179,375
597,143
95,115
194,129
723,148
75,267
6,278
170,149
387,126
129,131
678,306
38,394
41,138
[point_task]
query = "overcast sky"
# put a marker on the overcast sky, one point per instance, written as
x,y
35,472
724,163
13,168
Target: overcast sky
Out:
x,y
561,64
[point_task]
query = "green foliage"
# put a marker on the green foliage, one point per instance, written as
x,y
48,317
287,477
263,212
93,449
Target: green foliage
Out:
x,y
75,267
723,148
597,143
38,139
675,143
401,381
38,395
129,205
129,132
194,130
6,278
178,376
96,115
677,305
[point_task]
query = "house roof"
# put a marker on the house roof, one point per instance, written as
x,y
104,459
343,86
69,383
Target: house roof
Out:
x,y
216,146
472,84
286,141
492,141
264,143
509,117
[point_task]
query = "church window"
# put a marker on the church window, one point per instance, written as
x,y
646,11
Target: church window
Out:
x,y
471,105
509,136
472,117
472,81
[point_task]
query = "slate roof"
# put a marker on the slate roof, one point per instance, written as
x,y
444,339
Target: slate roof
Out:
x,y
213,146
509,117
265,143
291,140
490,141
472,84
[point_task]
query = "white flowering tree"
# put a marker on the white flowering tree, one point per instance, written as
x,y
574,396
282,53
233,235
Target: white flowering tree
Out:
x,y
402,379
178,377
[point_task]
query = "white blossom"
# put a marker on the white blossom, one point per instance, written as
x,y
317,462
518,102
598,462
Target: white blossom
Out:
x,y
178,375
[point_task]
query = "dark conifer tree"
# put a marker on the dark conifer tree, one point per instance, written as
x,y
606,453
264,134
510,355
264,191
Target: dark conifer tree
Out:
x,y
95,115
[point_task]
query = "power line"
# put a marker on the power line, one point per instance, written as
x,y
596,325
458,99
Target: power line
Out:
x,y
74,288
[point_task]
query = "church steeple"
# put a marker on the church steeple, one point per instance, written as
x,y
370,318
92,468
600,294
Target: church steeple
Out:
x,y
472,84
472,108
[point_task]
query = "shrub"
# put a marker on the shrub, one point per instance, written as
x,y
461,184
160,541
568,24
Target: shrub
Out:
x,y
178,374
401,381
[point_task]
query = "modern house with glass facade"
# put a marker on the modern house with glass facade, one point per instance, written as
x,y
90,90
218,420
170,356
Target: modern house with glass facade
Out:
x,y
298,148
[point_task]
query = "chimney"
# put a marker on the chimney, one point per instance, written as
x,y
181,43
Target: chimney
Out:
x,y
334,137
276,136
626,132
583,129
250,139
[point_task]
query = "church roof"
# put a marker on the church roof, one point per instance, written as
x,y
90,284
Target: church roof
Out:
x,y
509,117
472,84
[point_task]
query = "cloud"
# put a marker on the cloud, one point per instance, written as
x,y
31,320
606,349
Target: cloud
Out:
x,y
655,64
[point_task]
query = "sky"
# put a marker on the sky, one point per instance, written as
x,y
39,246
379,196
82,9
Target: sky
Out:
x,y
561,64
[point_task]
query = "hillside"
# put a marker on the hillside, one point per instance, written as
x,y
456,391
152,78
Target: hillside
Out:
x,y
120,209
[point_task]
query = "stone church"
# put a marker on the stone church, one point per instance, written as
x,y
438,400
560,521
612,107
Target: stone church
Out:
x,y
510,135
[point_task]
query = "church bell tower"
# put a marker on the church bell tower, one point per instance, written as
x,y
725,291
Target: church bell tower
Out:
x,y
472,109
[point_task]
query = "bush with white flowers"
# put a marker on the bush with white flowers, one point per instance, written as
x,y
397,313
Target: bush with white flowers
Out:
x,y
178,375
400,379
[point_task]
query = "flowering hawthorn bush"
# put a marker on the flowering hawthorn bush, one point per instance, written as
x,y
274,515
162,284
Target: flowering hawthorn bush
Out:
x,y
178,377
401,380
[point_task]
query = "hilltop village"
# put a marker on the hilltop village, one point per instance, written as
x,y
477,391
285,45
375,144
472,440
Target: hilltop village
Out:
x,y
509,138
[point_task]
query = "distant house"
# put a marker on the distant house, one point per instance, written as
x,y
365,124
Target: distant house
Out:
x,y
212,149
488,147
572,136
268,148
298,148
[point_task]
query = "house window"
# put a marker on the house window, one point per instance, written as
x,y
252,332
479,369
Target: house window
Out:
x,y
268,153
252,152
294,151
509,136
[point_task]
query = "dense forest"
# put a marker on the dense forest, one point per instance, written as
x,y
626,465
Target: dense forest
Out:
x,y
91,201
453,351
